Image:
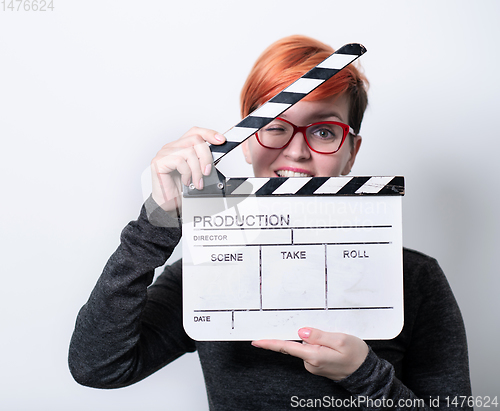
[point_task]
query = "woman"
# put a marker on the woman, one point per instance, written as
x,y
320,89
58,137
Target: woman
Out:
x,y
127,331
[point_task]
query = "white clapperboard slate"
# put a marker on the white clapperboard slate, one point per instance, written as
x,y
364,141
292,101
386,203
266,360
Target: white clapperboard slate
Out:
x,y
263,257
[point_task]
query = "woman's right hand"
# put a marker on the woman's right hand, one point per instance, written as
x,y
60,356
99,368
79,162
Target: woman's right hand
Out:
x,y
183,161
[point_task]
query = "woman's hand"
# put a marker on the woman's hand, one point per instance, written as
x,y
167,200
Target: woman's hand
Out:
x,y
183,161
331,355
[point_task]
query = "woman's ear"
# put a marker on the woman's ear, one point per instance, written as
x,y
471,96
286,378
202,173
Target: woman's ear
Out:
x,y
354,152
246,151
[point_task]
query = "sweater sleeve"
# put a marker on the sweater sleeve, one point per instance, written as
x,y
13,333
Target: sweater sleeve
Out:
x,y
435,366
126,331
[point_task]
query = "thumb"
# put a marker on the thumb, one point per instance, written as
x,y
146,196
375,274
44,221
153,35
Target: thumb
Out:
x,y
310,335
314,336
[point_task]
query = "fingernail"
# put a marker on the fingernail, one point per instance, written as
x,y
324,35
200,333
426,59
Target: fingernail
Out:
x,y
256,345
200,184
219,137
207,169
304,333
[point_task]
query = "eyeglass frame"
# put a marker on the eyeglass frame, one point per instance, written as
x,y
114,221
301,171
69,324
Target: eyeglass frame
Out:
x,y
303,129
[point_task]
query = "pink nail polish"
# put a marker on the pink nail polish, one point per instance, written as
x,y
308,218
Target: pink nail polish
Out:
x,y
219,137
200,184
255,345
304,333
207,169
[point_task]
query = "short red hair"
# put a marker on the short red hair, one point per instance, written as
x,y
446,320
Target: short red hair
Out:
x,y
286,60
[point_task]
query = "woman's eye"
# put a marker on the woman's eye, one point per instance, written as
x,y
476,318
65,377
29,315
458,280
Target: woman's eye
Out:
x,y
274,129
324,134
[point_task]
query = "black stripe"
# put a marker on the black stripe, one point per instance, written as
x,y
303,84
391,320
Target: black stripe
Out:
x,y
311,186
270,186
286,97
254,122
320,73
224,148
395,187
353,185
353,48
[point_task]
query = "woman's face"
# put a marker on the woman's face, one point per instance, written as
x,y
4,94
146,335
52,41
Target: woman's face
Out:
x,y
297,159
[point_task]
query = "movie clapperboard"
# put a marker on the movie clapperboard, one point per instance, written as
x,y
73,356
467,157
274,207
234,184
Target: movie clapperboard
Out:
x,y
263,257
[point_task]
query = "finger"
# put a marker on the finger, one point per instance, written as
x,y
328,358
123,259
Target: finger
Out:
x,y
203,152
210,136
335,341
297,349
184,143
352,350
177,162
196,151
205,158
193,162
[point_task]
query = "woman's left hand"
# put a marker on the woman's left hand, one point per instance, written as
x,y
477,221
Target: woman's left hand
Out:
x,y
331,355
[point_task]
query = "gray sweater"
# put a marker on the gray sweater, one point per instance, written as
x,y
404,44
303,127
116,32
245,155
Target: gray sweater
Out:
x,y
128,329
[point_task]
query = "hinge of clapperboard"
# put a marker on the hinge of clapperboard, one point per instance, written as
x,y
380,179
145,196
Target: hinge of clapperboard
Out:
x,y
217,184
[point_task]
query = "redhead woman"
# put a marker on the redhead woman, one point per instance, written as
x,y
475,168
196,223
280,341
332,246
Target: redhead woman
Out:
x,y
130,328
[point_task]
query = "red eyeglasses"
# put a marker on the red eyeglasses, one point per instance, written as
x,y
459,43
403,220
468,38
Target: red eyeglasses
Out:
x,y
324,137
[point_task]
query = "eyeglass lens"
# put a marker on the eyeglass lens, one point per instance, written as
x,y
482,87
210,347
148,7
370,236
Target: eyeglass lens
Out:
x,y
320,136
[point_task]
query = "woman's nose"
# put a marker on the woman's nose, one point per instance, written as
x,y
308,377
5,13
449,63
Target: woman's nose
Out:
x,y
297,149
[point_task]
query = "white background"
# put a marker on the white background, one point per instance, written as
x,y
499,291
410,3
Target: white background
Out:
x,y
90,91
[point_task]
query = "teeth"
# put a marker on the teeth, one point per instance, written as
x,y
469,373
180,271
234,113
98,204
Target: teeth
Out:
x,y
289,173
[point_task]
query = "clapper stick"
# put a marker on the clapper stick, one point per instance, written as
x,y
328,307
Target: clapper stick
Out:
x,y
283,101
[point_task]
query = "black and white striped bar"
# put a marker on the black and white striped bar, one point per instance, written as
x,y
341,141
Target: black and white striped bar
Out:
x,y
309,186
287,98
